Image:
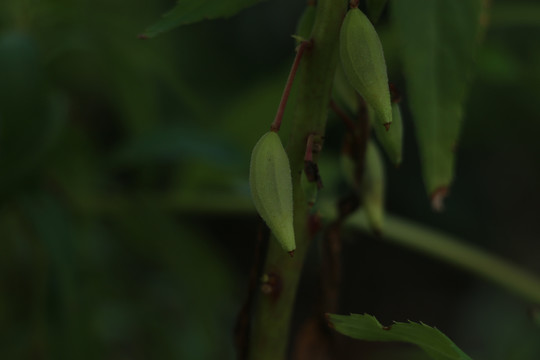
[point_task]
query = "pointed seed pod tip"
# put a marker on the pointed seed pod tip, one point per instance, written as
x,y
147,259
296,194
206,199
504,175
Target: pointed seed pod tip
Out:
x,y
271,188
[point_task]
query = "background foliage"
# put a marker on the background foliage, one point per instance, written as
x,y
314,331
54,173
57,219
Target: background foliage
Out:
x,y
126,228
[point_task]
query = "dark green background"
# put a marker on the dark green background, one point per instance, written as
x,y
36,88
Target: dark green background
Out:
x,y
126,228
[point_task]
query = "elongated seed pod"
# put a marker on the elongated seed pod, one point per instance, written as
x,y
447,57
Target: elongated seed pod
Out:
x,y
391,140
363,61
271,188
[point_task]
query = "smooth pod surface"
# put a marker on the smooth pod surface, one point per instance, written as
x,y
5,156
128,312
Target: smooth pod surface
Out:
x,y
363,61
271,188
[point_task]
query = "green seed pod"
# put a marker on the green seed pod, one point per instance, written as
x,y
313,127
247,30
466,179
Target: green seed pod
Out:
x,y
305,24
271,188
391,140
363,62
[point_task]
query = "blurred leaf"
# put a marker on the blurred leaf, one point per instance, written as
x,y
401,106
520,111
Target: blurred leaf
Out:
x,y
54,229
535,313
192,276
30,116
189,11
366,327
497,64
306,21
250,112
22,266
515,337
178,143
22,74
512,14
22,103
438,40
454,251
375,9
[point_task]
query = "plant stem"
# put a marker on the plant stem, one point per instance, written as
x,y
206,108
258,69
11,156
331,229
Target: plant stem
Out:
x,y
451,250
288,86
273,310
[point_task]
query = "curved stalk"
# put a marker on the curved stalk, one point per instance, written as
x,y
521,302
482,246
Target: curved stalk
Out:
x,y
452,250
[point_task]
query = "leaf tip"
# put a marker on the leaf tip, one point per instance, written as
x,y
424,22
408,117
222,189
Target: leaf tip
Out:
x,y
387,126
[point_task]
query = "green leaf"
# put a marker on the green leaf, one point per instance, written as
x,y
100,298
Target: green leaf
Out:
x,y
172,143
515,14
438,40
366,327
189,11
31,115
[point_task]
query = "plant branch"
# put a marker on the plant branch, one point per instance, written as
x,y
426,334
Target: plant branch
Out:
x,y
273,311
